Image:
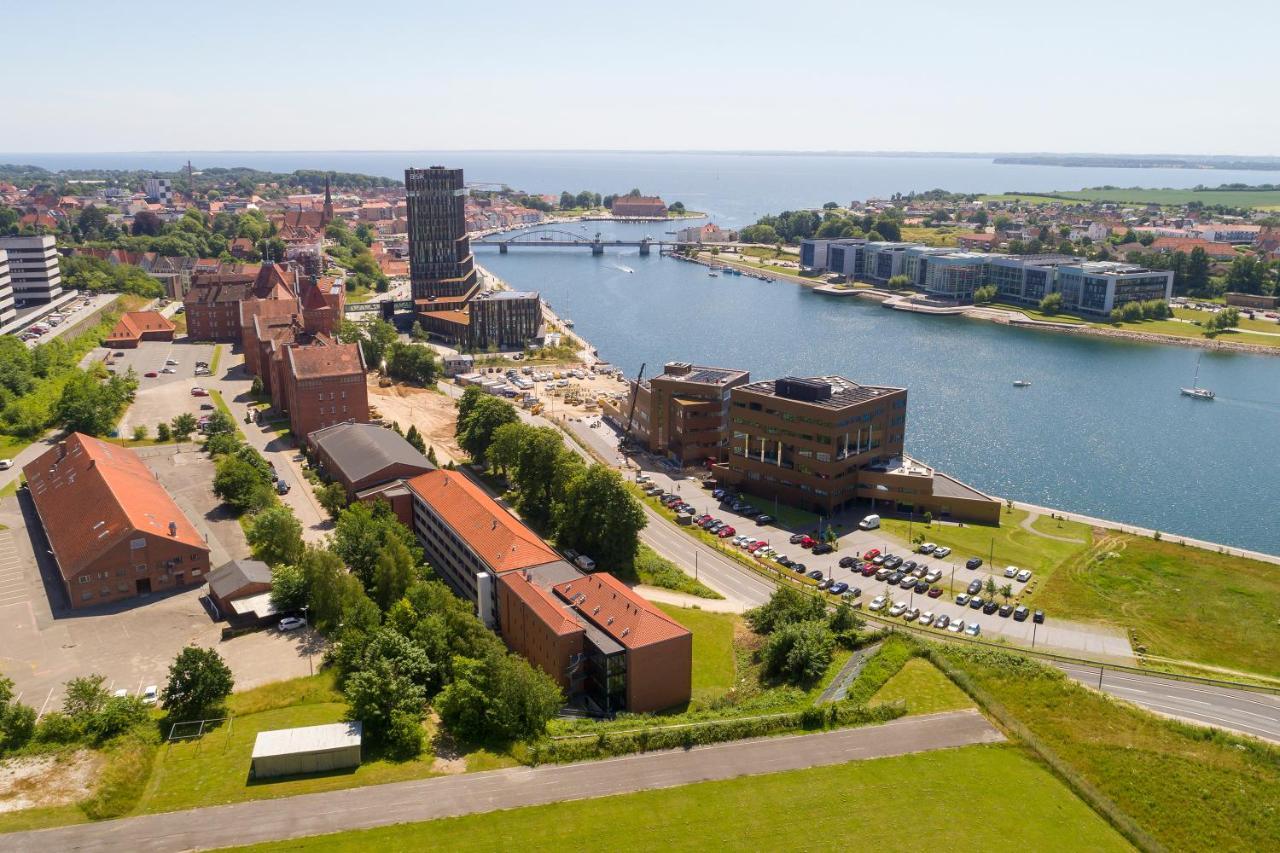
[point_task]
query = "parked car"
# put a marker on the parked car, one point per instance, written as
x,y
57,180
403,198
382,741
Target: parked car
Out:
x,y
976,603
881,572
282,488
846,562
717,493
764,519
149,694
942,553
1038,617
872,554
990,607
893,561
702,519
1011,571
292,623
1020,613
206,407
942,621
975,587
935,591
926,618
912,615
823,548
919,571
171,361
807,542
838,588
907,582
878,559
871,522
168,370
868,569
962,599
898,609
1006,610
826,583
6,464
926,548
784,560
894,578
199,392
973,563
151,374
1024,576
878,603
725,532
933,576
956,627
921,587
797,538
798,568
816,574
973,630
585,563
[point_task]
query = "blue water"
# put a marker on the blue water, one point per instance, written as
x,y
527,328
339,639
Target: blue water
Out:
x,y
1102,430
735,189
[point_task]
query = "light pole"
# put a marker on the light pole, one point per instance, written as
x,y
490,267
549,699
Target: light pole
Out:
x,y
1034,626
695,571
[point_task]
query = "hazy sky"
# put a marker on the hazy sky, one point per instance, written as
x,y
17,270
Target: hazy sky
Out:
x,y
110,75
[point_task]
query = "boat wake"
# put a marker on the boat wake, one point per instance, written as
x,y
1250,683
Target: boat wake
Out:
x,y
622,268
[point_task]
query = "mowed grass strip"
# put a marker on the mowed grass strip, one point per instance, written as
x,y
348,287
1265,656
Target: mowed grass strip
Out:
x,y
1182,603
714,666
1013,545
923,688
1024,808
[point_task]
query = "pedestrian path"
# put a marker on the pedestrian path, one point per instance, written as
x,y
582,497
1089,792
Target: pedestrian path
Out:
x,y
1027,525
839,686
449,796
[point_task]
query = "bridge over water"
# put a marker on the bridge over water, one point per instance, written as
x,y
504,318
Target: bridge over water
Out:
x,y
555,238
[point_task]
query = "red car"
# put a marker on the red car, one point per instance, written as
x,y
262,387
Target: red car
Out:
x,y
934,592
151,374
871,555
756,546
808,542
726,532
702,519
199,392
868,569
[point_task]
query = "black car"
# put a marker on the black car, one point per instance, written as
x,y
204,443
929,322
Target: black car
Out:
x,y
816,574
1006,610
796,538
894,578
975,587
908,582
838,588
990,607
976,603
846,562
922,587
799,567
974,562
764,519
750,512
784,561
879,560
893,561
1020,613
1038,617
823,548
909,566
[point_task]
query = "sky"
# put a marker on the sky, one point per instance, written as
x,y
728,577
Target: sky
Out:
x,y
1114,77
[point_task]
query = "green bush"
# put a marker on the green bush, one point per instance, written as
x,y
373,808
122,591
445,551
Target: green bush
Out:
x,y
123,778
885,664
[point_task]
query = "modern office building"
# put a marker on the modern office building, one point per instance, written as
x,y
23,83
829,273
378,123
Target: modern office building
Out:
x,y
112,529
954,276
843,256
682,413
915,264
33,269
1025,278
7,312
826,443
1098,287
882,261
504,319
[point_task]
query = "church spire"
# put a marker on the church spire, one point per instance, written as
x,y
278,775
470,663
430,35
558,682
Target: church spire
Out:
x,y
328,202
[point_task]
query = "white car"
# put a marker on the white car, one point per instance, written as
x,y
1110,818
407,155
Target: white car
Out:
x,y
1011,571
898,609
926,618
168,370
973,630
912,614
1024,576
149,694
927,548
933,576
121,693
956,627
878,603
171,361
292,623
6,464
942,552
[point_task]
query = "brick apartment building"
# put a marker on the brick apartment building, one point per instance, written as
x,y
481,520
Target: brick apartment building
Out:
x,y
114,531
607,647
215,301
827,443
137,326
649,207
683,412
321,383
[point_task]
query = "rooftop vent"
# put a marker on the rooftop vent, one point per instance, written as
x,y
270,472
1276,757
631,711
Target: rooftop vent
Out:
x,y
626,631
609,621
808,390
173,528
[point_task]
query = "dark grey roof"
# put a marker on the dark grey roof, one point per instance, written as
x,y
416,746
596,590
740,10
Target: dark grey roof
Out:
x,y
363,449
236,575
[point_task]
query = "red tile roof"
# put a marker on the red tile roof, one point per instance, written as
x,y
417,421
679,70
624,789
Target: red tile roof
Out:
x,y
134,324
325,358
498,537
98,495
542,603
1186,244
614,608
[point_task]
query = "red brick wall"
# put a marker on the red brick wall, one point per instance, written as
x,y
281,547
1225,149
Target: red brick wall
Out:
x,y
531,638
317,403
217,322
660,675
119,566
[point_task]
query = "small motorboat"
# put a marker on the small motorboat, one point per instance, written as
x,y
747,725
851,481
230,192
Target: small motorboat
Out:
x,y
1022,383
713,273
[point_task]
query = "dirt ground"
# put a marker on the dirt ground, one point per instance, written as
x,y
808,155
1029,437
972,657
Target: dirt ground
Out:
x,y
434,414
47,780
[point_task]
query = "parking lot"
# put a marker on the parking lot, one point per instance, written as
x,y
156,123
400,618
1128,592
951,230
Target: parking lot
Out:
x,y
1070,637
43,643
164,395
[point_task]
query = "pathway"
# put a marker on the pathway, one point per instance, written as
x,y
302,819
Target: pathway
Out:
x,y
447,796
1030,519
839,686
684,599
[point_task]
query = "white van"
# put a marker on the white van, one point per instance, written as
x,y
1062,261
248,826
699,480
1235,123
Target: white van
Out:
x,y
585,563
871,522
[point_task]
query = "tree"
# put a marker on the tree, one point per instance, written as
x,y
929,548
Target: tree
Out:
x,y
475,432
536,458
785,607
163,433
360,534
146,223
199,680
986,293
1006,592
242,485
91,406
289,589
1247,274
1197,276
85,696
140,432
415,439
1227,318
888,229
387,685
1051,304
333,497
799,652
417,333
393,573
412,363
990,588
899,282
275,535
599,516
497,698
183,425
378,336
219,423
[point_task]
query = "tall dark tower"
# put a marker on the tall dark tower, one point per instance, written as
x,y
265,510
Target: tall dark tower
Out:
x,y
328,202
442,272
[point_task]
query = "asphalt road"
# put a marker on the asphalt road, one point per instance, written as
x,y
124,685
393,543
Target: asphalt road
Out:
x,y
446,796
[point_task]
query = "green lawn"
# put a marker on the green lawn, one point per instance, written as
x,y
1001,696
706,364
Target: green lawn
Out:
x,y
1187,787
924,689
1246,324
1179,602
992,797
1230,198
714,665
655,570
1012,544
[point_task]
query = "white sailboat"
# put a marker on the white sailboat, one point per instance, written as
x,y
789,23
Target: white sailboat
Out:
x,y
1195,391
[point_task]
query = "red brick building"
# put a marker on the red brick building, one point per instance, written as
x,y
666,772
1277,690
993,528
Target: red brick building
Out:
x,y
136,326
213,307
114,531
322,383
650,207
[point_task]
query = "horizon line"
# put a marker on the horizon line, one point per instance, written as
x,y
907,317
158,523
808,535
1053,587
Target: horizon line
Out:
x,y
663,151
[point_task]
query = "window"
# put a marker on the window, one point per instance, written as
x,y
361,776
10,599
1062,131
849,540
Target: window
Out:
x,y
86,595
84,579
123,586
141,568
135,544
195,573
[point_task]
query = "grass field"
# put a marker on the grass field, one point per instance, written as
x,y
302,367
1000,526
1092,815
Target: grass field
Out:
x,y
1246,324
714,664
654,569
943,236
1179,602
1233,198
789,811
1190,788
924,689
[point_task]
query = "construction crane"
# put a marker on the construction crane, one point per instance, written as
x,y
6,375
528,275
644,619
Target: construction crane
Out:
x,y
631,414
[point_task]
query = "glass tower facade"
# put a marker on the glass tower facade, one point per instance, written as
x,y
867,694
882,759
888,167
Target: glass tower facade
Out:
x,y
440,263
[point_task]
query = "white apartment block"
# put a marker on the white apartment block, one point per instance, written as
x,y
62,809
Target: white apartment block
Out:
x,y
33,268
7,312
158,190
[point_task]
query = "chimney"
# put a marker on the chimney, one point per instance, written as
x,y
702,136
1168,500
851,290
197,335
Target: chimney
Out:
x,y
173,528
62,450
493,523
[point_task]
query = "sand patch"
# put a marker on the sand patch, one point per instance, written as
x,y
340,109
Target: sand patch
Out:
x,y
47,780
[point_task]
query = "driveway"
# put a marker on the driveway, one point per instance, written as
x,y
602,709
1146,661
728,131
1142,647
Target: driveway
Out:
x,y
448,796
